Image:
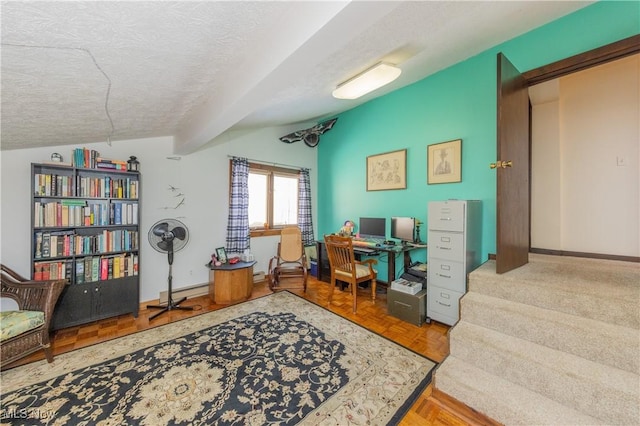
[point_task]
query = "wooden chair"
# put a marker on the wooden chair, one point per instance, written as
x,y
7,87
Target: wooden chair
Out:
x,y
345,267
291,260
27,330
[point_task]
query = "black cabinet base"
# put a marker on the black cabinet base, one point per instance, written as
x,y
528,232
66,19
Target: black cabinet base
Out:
x,y
84,303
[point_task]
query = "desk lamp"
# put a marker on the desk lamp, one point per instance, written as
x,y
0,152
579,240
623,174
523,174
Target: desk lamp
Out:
x,y
417,237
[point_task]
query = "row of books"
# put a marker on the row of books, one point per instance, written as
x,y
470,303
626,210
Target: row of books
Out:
x,y
90,159
53,185
107,187
100,268
67,243
85,158
88,269
104,163
80,213
52,270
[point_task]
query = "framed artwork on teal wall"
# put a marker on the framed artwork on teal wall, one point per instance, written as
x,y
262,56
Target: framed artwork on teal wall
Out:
x,y
387,171
444,162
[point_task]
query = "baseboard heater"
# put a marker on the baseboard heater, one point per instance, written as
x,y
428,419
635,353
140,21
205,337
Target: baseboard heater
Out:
x,y
201,289
188,292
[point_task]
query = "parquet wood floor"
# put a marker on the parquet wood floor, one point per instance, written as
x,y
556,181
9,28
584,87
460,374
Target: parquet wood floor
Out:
x,y
431,340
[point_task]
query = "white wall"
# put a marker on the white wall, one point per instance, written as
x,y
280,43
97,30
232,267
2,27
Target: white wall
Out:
x,y
203,178
585,154
546,194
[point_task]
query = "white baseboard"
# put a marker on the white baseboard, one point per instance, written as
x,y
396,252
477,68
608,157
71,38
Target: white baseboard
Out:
x,y
258,277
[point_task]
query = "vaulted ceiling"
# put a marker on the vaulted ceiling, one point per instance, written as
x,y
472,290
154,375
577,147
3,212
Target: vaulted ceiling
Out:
x,y
81,72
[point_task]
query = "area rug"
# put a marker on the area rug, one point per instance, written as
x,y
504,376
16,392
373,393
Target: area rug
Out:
x,y
278,359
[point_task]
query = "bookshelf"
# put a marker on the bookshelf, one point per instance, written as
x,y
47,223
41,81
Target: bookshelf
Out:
x,y
85,229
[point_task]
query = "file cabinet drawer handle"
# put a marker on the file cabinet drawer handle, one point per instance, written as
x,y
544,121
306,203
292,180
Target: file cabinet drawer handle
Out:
x,y
444,304
444,276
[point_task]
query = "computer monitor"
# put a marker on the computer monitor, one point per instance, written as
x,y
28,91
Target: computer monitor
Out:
x,y
373,227
403,228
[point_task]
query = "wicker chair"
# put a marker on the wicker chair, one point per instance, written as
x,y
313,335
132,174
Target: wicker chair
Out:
x,y
34,298
291,260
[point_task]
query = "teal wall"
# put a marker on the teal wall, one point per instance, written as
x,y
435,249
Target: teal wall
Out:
x,y
456,103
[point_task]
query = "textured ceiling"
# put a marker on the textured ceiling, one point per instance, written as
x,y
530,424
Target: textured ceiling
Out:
x,y
81,72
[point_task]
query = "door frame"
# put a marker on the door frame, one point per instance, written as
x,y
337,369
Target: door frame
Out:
x,y
598,56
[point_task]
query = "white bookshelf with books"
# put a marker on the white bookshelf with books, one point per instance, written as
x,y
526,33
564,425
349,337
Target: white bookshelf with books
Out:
x,y
85,229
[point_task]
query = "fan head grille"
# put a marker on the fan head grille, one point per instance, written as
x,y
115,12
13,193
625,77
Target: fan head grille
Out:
x,y
168,235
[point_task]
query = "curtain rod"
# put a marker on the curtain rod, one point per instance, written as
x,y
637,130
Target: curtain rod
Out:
x,y
270,163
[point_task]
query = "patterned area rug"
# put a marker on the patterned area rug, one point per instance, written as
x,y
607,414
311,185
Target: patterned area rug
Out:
x,y
275,360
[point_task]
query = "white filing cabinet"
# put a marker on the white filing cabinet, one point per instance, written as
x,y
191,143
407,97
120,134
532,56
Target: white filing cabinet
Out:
x,y
454,237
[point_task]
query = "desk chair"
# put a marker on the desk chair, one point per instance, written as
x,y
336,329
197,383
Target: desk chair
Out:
x,y
291,260
345,267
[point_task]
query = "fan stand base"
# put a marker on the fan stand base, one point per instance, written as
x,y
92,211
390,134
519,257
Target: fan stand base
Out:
x,y
171,305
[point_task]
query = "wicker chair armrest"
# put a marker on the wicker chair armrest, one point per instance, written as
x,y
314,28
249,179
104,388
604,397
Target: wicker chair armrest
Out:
x,y
31,295
13,274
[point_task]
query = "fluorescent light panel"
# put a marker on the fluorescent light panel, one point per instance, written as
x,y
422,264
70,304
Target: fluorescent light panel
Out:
x,y
367,81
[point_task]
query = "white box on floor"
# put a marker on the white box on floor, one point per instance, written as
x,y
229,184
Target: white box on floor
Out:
x,y
406,286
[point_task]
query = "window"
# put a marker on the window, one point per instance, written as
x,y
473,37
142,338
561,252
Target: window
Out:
x,y
273,197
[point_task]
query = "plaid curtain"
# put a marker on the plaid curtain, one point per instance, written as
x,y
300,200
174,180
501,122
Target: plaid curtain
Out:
x,y
238,223
305,221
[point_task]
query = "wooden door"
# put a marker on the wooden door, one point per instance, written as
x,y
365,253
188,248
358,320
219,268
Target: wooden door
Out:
x,y
512,167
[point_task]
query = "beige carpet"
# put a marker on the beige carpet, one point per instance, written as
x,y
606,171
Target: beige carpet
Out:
x,y
556,341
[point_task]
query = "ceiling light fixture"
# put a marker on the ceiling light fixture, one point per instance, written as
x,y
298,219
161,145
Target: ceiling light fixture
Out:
x,y
367,81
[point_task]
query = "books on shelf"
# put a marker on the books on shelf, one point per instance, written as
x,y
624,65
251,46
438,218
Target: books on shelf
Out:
x,y
102,268
66,243
85,158
105,163
89,269
58,270
74,212
54,185
90,159
107,187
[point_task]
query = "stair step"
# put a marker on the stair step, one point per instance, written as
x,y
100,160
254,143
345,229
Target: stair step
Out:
x,y
503,400
597,341
603,290
598,390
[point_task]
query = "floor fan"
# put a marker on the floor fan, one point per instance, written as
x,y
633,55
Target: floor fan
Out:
x,y
169,236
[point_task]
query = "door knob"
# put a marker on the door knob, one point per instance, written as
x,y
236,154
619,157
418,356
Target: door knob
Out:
x,y
502,164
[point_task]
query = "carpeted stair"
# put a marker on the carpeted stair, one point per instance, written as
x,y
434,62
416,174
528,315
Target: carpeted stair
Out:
x,y
555,342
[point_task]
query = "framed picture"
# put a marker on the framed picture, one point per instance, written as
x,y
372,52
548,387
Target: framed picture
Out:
x,y
444,162
221,254
387,171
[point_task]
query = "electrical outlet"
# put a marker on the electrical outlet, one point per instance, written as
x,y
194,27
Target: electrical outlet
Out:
x,y
621,161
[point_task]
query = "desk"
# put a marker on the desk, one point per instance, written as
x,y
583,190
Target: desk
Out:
x,y
391,265
231,283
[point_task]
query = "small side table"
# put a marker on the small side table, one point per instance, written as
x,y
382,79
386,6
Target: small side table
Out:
x,y
231,283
